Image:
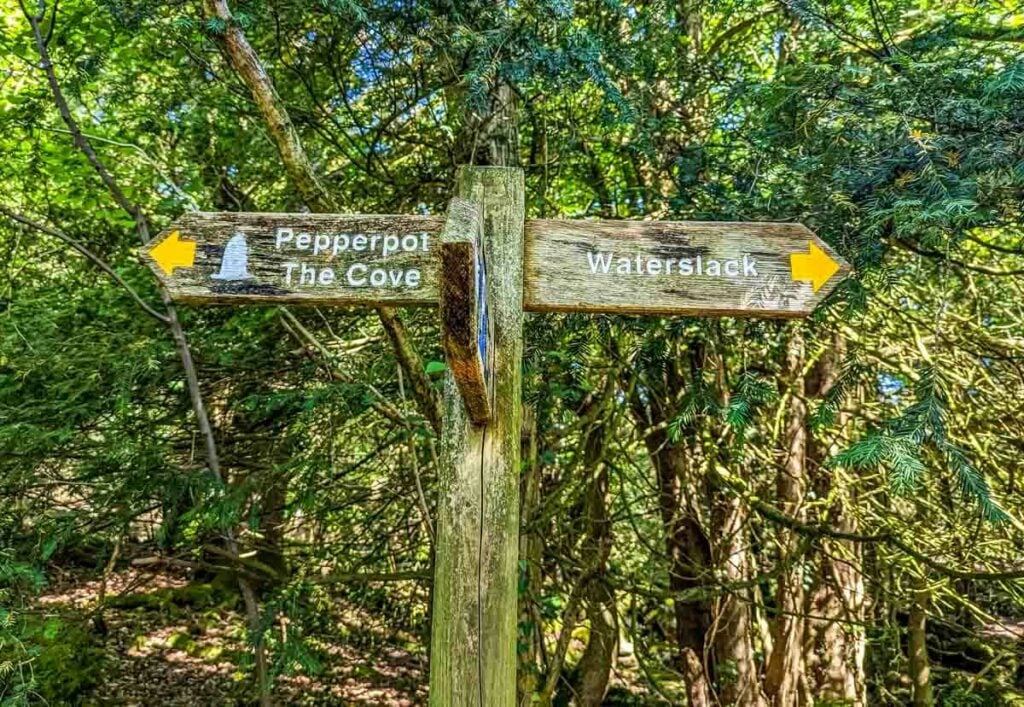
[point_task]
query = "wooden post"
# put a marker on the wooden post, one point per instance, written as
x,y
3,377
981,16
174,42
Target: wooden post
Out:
x,y
473,640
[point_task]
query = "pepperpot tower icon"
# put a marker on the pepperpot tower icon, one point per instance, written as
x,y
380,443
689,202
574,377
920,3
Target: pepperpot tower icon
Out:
x,y
235,263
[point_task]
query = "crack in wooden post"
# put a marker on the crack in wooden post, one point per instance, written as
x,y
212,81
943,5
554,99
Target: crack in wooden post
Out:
x,y
473,637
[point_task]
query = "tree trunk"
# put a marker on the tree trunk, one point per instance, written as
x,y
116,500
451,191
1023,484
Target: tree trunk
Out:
x,y
920,671
687,548
835,644
272,523
595,666
785,666
689,558
531,547
736,668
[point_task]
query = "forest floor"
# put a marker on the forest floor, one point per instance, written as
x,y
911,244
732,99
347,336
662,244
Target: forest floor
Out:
x,y
166,645
167,641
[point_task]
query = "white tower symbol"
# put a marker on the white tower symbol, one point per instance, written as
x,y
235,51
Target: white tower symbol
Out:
x,y
235,263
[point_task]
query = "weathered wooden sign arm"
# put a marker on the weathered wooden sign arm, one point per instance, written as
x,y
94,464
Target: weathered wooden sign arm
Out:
x,y
251,258
465,331
687,268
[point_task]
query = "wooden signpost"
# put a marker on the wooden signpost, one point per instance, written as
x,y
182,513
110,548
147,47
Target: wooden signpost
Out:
x,y
485,265
616,267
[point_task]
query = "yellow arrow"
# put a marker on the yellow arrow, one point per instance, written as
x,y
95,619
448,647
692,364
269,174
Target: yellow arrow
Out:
x,y
172,252
814,266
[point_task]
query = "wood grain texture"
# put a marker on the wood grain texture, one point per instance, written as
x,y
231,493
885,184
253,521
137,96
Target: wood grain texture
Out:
x,y
459,304
559,275
266,263
473,640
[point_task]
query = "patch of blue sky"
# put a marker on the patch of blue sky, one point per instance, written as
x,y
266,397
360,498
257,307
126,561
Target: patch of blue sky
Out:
x,y
413,108
372,57
174,193
176,114
890,387
731,121
97,115
366,60
367,128
352,95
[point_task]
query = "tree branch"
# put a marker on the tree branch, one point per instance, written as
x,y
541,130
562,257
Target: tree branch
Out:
x,y
821,530
97,260
243,59
907,245
83,144
245,586
305,336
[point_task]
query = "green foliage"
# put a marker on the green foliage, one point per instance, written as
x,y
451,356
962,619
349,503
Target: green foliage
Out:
x,y
890,129
963,691
751,391
47,658
905,440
